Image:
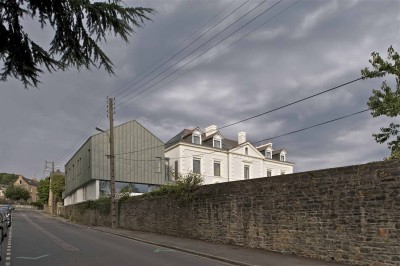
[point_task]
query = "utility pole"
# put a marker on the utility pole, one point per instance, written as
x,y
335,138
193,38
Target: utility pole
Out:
x,y
112,166
51,195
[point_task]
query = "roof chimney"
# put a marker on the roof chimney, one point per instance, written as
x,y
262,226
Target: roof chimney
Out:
x,y
211,130
241,137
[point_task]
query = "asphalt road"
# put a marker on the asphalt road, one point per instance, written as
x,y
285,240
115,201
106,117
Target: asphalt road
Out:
x,y
38,240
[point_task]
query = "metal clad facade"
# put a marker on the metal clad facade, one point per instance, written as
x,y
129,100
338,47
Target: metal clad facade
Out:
x,y
139,158
78,169
138,154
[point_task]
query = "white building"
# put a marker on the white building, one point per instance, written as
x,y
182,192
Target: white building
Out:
x,y
219,159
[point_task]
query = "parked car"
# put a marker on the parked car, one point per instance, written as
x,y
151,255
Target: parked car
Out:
x,y
7,210
3,223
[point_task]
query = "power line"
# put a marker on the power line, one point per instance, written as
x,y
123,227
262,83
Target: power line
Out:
x,y
317,125
130,86
289,133
289,104
207,59
267,112
198,49
98,115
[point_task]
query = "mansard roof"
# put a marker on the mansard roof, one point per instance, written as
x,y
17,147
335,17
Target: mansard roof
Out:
x,y
186,136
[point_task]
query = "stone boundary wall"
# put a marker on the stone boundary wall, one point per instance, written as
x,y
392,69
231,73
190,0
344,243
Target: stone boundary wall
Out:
x,y
349,214
80,213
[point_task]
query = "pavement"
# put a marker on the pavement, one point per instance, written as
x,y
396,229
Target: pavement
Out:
x,y
222,252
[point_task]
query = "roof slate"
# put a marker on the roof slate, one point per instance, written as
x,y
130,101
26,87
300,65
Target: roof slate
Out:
x,y
185,136
30,181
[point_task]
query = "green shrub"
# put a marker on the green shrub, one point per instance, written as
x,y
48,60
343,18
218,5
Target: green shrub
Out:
x,y
103,205
182,188
38,204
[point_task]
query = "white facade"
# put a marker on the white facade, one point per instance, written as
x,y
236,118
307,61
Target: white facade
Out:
x,y
220,163
89,191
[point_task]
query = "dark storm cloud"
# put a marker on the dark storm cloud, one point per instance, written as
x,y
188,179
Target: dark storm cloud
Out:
x,y
313,46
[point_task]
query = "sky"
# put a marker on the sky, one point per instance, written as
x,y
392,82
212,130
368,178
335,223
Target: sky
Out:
x,y
216,62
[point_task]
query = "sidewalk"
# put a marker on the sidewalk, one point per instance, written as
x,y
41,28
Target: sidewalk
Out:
x,y
226,253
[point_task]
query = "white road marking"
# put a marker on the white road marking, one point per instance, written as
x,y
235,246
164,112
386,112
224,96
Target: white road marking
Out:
x,y
62,244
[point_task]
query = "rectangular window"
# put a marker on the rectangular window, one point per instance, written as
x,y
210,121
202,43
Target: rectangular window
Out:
x,y
282,172
268,154
217,168
217,143
89,158
166,168
269,173
196,165
246,172
196,139
158,164
282,158
176,170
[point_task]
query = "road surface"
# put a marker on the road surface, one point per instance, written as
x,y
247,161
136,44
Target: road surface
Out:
x,y
35,239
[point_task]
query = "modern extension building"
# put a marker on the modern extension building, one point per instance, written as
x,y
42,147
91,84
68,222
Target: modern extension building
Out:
x,y
219,159
139,159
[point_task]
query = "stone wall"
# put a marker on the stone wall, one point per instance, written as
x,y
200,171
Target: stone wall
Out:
x,y
83,214
349,214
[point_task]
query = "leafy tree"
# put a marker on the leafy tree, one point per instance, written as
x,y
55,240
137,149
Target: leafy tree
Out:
x,y
386,101
129,189
43,190
79,27
17,193
57,186
8,179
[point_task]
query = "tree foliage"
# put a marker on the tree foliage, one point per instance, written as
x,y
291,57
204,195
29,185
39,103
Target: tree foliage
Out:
x,y
17,193
43,190
129,188
8,179
79,26
386,101
183,187
57,186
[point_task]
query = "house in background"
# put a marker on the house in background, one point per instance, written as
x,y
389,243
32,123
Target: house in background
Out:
x,y
3,189
219,159
139,159
28,184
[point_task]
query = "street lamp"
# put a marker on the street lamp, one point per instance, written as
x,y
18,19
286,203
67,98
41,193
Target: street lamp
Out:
x,y
112,171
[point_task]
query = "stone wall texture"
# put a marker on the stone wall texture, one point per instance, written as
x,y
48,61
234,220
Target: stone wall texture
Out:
x,y
80,213
349,214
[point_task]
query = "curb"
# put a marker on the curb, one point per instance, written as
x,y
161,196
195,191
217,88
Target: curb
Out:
x,y
234,262
189,251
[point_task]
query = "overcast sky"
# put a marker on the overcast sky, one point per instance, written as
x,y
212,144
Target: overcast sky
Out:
x,y
262,61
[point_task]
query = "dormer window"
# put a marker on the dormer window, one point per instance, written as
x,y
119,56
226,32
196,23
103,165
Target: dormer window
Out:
x,y
268,154
196,139
217,143
283,157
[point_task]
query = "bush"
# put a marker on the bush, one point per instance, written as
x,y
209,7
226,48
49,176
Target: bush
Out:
x,y
182,188
38,204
